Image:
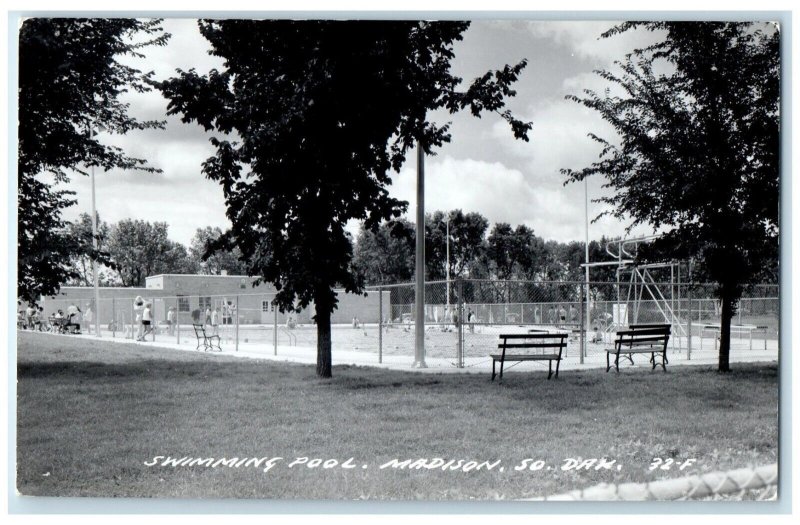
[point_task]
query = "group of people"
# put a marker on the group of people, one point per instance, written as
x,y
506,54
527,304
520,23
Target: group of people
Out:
x,y
33,318
144,317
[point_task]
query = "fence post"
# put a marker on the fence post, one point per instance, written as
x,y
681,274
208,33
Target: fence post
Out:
x,y
690,294
237,322
275,327
380,324
582,350
113,318
134,328
460,310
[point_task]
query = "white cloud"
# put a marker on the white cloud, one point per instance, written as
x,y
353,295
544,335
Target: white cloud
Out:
x,y
492,189
583,39
503,194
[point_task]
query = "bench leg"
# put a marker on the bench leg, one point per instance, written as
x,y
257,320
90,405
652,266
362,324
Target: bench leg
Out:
x,y
558,363
608,362
549,368
630,358
664,360
494,362
616,362
501,369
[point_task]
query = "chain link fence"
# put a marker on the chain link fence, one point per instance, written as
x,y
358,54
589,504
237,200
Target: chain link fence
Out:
x,y
752,484
463,318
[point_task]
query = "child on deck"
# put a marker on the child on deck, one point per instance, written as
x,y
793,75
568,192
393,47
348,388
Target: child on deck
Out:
x,y
147,316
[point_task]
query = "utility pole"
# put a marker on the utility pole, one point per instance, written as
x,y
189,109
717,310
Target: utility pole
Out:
x,y
95,273
419,295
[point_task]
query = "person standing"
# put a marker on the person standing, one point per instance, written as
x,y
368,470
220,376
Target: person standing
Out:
x,y
147,318
29,313
171,320
138,308
87,317
215,322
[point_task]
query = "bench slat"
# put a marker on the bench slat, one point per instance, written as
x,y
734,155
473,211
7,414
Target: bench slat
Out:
x,y
532,345
534,335
528,357
643,333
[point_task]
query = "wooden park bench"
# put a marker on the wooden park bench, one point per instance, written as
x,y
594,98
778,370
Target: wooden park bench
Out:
x,y
534,346
641,339
206,340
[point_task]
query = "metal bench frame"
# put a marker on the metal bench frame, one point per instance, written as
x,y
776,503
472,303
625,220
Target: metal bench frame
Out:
x,y
641,339
561,344
207,340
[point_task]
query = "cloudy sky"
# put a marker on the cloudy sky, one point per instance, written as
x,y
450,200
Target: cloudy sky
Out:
x,y
483,169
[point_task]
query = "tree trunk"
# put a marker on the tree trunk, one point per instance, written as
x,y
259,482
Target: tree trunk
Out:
x,y
323,320
726,315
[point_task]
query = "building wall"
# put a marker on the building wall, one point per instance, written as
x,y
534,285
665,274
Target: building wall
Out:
x,y
189,293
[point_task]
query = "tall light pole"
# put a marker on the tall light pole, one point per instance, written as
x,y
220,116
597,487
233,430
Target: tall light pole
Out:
x,y
95,273
447,226
419,295
588,322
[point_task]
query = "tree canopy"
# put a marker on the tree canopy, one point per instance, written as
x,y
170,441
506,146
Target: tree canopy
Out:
x,y
315,114
697,120
139,249
214,261
81,260
70,83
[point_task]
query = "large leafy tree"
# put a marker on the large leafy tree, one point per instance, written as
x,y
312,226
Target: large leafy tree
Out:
x,y
697,152
467,242
317,113
81,231
140,248
214,260
70,82
386,255
508,249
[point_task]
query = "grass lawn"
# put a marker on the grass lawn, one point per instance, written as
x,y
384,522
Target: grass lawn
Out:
x,y
91,414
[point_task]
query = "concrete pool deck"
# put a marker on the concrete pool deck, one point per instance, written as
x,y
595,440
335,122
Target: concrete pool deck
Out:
x,y
596,357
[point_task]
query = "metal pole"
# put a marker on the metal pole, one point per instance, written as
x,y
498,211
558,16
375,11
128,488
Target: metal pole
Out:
x,y
380,324
460,310
134,328
680,297
237,323
275,327
672,298
95,273
587,317
583,332
689,336
447,264
419,292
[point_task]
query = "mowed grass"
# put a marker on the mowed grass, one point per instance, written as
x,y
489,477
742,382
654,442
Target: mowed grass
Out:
x,y
91,413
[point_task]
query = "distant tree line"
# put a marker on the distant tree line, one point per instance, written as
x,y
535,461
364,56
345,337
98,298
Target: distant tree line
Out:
x,y
385,255
132,249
